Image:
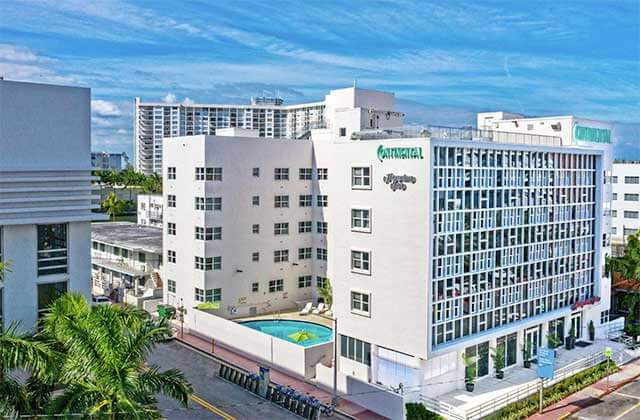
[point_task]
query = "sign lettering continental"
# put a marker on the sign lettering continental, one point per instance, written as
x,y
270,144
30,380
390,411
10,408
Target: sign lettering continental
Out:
x,y
399,153
595,135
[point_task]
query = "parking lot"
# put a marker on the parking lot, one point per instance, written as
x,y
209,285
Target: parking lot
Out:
x,y
623,404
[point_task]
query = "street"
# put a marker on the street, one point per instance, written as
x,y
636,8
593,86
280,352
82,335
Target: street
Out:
x,y
213,397
623,404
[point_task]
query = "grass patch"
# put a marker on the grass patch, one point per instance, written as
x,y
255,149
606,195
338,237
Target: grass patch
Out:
x,y
553,394
417,411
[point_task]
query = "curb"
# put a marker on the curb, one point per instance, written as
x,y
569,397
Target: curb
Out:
x,y
220,360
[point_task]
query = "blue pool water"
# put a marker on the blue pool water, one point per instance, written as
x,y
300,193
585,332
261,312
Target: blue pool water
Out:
x,y
282,328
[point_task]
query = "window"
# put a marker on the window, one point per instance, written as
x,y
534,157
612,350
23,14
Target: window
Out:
x,y
614,196
171,286
632,197
142,257
204,234
94,245
217,263
613,213
361,178
360,303
632,179
281,228
200,174
171,200
171,228
47,293
255,172
255,200
52,249
214,174
281,201
305,174
509,345
199,295
614,179
171,172
213,295
480,353
322,200
304,253
276,285
255,256
255,228
322,227
630,214
306,200
614,230
304,281
255,287
280,255
355,349
321,254
304,227
208,203
281,174
361,220
323,173
171,256
343,131
604,317
205,264
217,233
322,282
360,262
629,231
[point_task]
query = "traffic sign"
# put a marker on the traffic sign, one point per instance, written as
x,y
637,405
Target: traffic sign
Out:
x,y
546,362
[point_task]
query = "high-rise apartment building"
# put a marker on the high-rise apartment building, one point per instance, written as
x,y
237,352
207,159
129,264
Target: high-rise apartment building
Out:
x,y
625,203
438,241
46,197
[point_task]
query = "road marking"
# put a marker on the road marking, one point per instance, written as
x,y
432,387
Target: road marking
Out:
x,y
212,408
627,411
628,395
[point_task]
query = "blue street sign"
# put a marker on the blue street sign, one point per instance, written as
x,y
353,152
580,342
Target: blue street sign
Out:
x,y
546,362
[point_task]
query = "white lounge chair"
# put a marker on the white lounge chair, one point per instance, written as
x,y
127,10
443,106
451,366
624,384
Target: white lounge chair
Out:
x,y
307,309
329,312
320,309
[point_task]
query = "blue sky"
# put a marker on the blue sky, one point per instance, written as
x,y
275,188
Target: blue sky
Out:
x,y
444,60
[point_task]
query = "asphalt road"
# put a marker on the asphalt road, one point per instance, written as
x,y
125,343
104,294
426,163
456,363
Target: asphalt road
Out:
x,y
214,397
623,404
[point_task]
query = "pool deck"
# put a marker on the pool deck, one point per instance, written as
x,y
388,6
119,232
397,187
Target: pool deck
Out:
x,y
291,316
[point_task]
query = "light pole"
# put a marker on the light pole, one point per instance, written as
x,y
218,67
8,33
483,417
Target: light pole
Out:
x,y
334,399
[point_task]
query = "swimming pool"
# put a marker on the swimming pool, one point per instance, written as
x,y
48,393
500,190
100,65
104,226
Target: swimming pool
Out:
x,y
282,328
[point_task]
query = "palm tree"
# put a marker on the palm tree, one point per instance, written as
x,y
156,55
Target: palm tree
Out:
x,y
104,371
152,184
326,292
113,205
131,178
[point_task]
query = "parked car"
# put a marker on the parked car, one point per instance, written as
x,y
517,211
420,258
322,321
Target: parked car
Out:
x,y
100,300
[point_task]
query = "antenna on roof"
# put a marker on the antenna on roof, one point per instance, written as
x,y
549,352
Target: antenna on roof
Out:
x,y
355,83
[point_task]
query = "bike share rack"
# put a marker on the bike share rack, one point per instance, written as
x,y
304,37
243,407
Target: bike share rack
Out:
x,y
305,406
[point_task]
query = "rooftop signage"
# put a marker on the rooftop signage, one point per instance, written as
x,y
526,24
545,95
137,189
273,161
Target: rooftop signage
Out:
x,y
399,153
595,135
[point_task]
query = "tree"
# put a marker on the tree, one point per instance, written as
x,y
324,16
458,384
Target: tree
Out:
x,y
152,184
103,369
113,205
326,292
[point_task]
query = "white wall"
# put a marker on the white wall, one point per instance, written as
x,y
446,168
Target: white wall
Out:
x,y
619,222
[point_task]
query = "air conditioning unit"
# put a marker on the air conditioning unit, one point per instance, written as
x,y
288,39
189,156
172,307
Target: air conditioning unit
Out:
x,y
556,127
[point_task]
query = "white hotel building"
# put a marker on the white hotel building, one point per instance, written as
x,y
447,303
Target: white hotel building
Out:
x,y
46,197
437,241
625,203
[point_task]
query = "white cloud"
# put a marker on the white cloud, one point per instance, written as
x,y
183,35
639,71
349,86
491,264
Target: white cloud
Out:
x,y
188,101
15,53
170,98
105,109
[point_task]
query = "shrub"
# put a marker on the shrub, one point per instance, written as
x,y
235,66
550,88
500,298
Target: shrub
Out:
x,y
527,407
417,411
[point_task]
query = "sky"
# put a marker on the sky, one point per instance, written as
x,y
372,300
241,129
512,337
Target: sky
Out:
x,y
444,60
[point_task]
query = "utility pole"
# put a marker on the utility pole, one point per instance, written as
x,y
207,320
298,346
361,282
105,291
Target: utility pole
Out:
x,y
541,394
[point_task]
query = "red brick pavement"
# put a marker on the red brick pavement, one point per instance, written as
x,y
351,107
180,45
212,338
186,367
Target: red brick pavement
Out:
x,y
279,377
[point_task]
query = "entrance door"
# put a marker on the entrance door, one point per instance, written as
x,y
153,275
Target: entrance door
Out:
x,y
576,323
532,338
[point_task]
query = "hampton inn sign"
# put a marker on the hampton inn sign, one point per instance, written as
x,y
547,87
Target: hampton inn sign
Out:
x,y
399,153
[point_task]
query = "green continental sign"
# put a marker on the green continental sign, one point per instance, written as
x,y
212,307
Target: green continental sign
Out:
x,y
595,135
399,153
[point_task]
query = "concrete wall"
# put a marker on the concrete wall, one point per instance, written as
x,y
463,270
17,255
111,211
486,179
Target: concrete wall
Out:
x,y
261,347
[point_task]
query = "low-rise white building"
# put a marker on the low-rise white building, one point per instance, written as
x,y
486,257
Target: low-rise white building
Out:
x,y
105,161
150,209
438,241
46,197
126,260
625,203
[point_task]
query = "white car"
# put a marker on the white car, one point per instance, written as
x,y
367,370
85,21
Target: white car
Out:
x,y
100,300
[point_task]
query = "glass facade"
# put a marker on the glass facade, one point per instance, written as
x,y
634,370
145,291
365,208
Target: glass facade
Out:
x,y
514,236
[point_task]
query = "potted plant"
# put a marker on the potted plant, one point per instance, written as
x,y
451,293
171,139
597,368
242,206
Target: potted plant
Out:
x,y
526,354
553,343
570,341
469,372
592,331
498,361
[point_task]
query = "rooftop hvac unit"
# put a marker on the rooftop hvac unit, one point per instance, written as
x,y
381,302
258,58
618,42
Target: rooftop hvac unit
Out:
x,y
556,126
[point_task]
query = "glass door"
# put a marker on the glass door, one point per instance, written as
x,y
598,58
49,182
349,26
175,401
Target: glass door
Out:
x,y
532,338
576,324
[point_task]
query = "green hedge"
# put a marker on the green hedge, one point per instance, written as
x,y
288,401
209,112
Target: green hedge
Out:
x,y
417,411
525,408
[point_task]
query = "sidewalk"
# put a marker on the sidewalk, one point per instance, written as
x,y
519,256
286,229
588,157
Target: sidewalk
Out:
x,y
278,377
590,395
